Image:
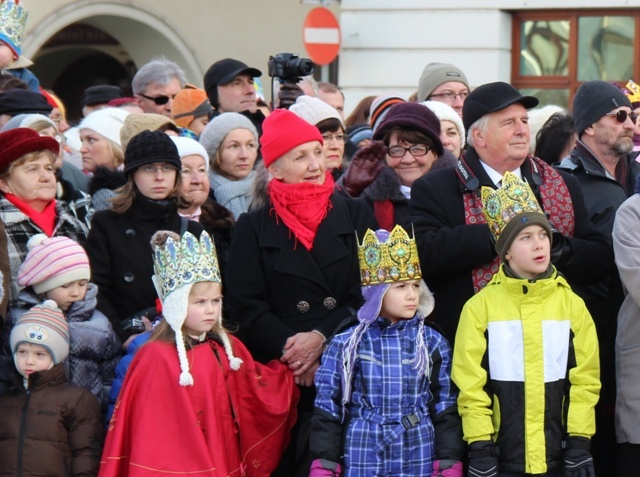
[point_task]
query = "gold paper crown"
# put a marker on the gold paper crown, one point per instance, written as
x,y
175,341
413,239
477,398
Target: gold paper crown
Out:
x,y
633,91
185,262
13,18
501,205
392,261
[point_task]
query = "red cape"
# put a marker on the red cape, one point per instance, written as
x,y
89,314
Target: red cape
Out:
x,y
229,423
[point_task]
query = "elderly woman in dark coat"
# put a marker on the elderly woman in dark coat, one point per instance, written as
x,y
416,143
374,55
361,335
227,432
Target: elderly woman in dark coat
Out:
x,y
406,146
292,275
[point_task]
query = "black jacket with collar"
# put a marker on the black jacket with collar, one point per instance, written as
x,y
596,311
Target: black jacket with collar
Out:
x,y
121,257
450,249
277,288
602,193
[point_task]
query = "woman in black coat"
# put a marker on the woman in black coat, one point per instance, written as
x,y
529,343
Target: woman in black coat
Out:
x,y
119,245
292,275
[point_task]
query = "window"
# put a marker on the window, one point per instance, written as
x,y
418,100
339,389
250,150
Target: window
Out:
x,y
555,51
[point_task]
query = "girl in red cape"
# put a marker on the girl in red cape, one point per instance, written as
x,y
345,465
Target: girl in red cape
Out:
x,y
209,409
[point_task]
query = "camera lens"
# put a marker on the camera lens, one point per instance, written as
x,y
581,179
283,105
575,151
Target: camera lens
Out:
x,y
304,66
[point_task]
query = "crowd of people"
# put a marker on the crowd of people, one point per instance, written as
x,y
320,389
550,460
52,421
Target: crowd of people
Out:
x,y
195,283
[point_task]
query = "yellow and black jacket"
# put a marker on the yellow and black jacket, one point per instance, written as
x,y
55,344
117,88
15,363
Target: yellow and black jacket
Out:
x,y
526,363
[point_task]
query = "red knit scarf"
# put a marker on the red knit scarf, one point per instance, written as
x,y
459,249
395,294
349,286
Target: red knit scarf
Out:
x,y
302,206
555,201
46,219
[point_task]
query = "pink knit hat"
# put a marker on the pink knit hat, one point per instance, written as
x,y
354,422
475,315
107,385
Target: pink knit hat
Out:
x,y
53,262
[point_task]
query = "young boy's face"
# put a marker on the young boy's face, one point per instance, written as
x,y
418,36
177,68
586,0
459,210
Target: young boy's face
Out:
x,y
68,293
31,358
400,302
6,55
205,305
529,253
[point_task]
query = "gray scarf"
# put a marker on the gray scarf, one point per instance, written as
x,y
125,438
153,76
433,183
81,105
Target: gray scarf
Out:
x,y
234,195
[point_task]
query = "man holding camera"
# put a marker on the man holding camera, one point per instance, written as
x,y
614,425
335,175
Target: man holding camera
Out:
x,y
229,86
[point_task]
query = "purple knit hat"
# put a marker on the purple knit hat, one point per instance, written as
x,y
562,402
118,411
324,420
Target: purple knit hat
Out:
x,y
53,262
414,116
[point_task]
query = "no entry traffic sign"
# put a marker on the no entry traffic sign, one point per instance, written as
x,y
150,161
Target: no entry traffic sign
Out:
x,y
321,36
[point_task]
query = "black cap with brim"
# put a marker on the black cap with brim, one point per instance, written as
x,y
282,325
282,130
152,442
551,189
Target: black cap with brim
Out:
x,y
222,72
492,97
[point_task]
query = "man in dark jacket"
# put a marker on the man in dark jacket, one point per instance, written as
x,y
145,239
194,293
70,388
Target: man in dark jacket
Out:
x,y
456,250
604,164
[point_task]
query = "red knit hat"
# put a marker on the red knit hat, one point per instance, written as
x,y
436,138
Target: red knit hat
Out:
x,y
17,142
282,131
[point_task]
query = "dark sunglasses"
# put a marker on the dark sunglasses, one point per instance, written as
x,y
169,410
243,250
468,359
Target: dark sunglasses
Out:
x,y
621,116
159,100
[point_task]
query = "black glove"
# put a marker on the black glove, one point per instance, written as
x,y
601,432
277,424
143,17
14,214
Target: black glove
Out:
x,y
483,459
577,458
365,166
288,94
561,251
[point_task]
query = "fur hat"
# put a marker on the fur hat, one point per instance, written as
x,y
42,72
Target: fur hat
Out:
x,y
435,74
52,262
148,147
18,101
190,147
217,129
101,94
444,112
593,100
414,116
379,108
282,131
314,110
492,97
222,72
17,142
107,122
44,325
135,123
189,104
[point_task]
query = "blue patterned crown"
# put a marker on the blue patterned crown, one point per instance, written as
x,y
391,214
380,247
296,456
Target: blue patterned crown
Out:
x,y
393,260
185,261
13,18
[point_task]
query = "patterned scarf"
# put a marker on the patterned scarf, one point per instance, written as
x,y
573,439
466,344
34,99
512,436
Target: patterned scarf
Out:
x,y
302,206
554,198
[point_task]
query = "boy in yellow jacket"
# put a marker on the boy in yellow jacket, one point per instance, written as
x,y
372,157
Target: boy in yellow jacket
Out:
x,y
526,354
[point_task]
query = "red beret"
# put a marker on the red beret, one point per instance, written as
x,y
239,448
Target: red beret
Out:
x,y
282,131
17,142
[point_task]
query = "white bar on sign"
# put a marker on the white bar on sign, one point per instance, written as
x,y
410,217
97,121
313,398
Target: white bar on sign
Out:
x,y
326,36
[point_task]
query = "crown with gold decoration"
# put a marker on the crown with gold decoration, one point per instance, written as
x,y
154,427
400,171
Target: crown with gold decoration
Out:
x,y
391,261
501,205
185,261
13,18
633,91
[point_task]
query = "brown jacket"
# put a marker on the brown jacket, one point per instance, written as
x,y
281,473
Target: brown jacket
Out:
x,y
53,429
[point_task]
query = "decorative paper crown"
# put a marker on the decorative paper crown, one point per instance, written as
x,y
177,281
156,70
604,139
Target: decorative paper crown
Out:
x,y
392,261
633,91
501,205
13,18
186,262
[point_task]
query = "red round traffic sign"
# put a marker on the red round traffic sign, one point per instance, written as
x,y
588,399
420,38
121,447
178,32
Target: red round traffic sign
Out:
x,y
321,36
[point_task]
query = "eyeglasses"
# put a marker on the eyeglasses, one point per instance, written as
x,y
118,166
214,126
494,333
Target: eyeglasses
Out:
x,y
153,170
416,150
621,116
159,100
450,96
331,137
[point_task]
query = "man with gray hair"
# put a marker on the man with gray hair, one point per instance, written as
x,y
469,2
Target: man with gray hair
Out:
x,y
156,84
455,245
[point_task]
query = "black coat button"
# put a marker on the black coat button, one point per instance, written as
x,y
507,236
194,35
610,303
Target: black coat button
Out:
x,y
130,233
128,277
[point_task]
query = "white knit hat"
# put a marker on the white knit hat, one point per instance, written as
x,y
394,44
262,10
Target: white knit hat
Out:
x,y
218,128
314,110
444,112
190,147
106,122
